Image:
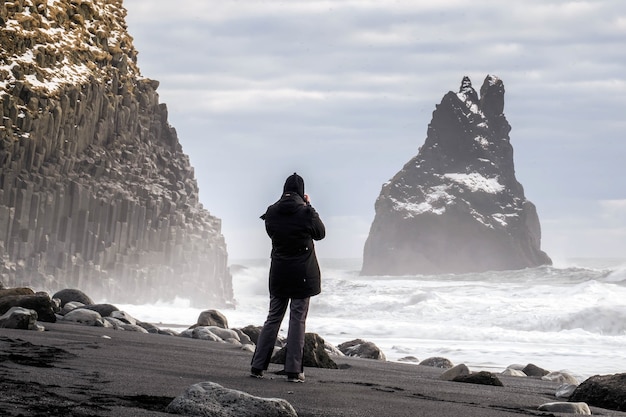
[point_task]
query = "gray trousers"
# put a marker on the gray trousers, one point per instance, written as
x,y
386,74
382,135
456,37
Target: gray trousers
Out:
x,y
299,307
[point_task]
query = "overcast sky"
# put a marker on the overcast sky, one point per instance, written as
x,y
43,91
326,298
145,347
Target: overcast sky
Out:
x,y
342,92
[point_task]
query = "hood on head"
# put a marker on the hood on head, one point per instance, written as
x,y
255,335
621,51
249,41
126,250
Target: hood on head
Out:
x,y
294,184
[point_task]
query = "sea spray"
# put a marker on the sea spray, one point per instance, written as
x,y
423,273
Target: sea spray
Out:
x,y
566,318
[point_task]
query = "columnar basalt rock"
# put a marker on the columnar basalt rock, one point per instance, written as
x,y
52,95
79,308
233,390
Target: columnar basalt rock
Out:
x,y
96,192
457,207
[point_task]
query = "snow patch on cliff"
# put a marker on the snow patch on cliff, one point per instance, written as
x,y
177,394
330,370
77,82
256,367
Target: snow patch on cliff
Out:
x,y
80,43
476,182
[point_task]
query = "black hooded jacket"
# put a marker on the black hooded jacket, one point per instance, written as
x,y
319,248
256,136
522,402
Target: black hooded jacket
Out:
x,y
293,224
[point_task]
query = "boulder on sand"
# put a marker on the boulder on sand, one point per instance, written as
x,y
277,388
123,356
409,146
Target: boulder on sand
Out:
x,y
211,399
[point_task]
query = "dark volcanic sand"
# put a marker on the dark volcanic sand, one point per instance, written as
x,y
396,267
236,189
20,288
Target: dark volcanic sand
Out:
x,y
72,370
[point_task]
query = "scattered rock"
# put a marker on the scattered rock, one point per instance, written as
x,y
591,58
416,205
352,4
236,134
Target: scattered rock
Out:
x,y
534,370
566,407
362,349
562,377
211,399
243,338
123,316
409,359
565,390
482,378
19,318
253,332
105,310
513,372
85,317
437,362
212,318
454,372
40,302
332,350
70,294
604,391
70,306
16,291
201,333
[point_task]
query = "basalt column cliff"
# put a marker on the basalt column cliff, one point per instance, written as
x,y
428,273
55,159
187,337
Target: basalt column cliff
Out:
x,y
457,207
96,192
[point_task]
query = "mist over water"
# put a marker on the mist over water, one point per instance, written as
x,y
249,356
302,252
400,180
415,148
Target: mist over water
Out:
x,y
560,318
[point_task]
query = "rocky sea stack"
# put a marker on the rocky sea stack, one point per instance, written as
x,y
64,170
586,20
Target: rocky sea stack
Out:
x,y
457,207
96,192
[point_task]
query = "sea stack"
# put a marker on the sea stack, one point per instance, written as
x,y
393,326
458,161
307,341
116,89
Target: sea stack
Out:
x,y
457,207
96,191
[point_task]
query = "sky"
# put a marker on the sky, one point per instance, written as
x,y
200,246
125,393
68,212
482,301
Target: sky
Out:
x,y
342,93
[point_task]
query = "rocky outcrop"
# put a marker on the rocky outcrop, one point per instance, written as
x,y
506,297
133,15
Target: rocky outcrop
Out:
x,y
95,189
457,207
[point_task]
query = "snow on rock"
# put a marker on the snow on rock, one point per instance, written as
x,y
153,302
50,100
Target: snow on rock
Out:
x,y
51,41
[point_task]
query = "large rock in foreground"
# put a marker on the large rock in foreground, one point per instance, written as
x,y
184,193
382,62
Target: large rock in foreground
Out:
x,y
604,391
96,191
457,207
211,399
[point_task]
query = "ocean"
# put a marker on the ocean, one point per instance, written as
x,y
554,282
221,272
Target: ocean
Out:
x,y
567,318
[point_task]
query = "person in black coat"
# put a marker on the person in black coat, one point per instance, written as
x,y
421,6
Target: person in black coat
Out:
x,y
292,224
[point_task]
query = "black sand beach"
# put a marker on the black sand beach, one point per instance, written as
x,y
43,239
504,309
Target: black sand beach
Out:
x,y
73,370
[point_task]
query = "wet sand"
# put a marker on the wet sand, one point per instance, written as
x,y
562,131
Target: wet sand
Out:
x,y
73,370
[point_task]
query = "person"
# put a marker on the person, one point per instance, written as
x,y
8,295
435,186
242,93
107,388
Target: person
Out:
x,y
292,224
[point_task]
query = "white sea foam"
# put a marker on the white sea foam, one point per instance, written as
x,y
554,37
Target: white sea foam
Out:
x,y
571,318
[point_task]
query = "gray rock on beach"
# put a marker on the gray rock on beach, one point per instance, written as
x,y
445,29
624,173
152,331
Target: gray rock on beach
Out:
x,y
69,306
454,372
211,333
71,294
513,372
562,377
212,318
533,370
85,317
482,378
15,291
565,391
122,325
566,407
437,362
40,302
362,349
105,310
604,391
211,399
19,318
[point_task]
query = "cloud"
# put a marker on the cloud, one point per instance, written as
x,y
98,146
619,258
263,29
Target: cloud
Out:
x,y
343,91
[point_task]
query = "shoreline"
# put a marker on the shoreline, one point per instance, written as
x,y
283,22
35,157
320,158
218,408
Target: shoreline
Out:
x,y
94,371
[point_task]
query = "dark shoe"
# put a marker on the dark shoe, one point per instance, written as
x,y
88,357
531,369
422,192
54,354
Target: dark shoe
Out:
x,y
293,377
256,373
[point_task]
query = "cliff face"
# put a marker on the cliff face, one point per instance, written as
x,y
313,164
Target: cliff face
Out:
x,y
457,207
96,192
